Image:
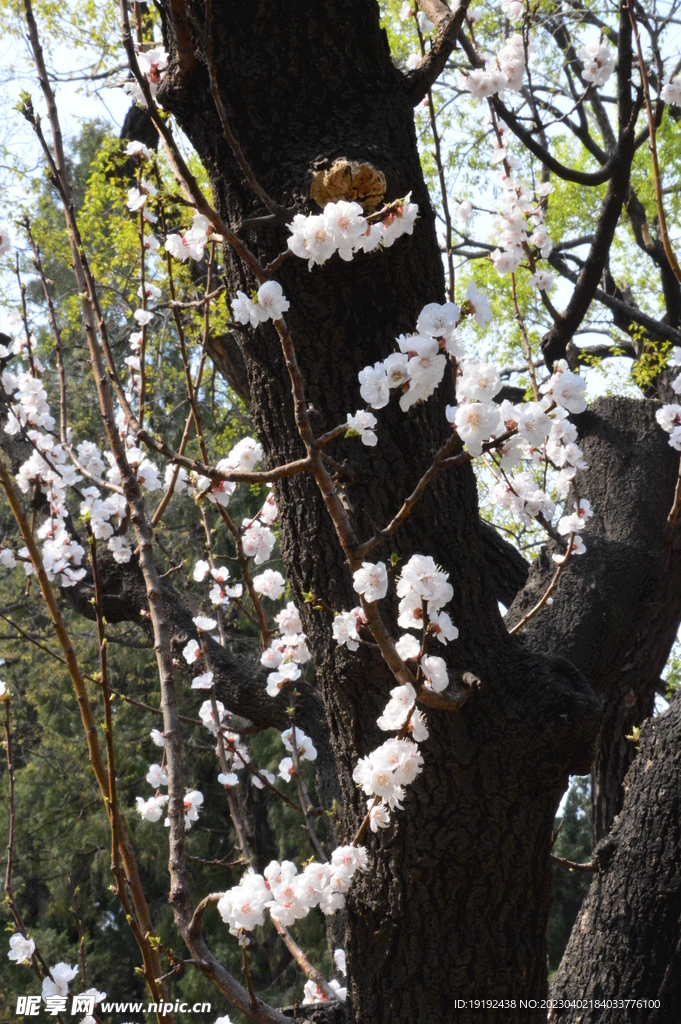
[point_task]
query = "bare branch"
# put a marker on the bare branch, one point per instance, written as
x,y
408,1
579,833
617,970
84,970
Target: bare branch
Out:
x,y
448,24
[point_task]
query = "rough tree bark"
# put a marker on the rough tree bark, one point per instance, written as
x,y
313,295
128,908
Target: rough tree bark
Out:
x,y
627,938
445,912
616,612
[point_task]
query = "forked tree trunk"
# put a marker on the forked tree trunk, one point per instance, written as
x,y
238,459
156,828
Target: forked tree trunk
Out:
x,y
616,613
626,941
456,902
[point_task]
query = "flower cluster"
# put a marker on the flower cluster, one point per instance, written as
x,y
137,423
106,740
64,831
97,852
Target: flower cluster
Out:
x,y
152,63
151,809
346,627
344,229
515,231
419,366
385,772
30,407
190,244
286,652
57,981
513,9
313,994
268,303
598,61
423,589
304,748
289,895
243,456
505,71
220,594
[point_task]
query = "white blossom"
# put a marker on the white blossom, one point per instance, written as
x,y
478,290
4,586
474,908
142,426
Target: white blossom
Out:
x,y
21,948
379,815
363,423
375,387
157,776
257,540
288,619
346,626
57,982
5,238
339,954
229,780
120,549
270,584
408,647
243,906
304,745
475,423
598,60
670,93
203,623
566,388
371,581
389,768
434,672
151,809
203,681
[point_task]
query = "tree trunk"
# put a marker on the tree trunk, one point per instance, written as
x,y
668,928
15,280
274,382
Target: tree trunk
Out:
x,y
616,612
626,942
455,904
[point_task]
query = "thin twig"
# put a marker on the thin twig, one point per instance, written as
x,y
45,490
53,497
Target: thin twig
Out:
x,y
652,132
573,865
549,590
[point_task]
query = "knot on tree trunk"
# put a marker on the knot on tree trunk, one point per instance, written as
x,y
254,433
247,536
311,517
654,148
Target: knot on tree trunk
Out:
x,y
352,181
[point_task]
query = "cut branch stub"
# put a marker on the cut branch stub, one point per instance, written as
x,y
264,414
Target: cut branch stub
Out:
x,y
352,181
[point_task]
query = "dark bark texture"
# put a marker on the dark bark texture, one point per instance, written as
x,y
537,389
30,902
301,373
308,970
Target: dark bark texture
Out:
x,y
444,913
616,612
627,938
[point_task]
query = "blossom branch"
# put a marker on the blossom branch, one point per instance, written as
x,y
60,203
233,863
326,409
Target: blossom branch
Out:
x,y
56,333
526,341
179,896
149,955
24,318
441,176
217,475
37,961
441,460
183,175
302,793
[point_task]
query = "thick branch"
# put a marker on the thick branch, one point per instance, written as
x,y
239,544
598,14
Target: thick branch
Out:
x,y
448,23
